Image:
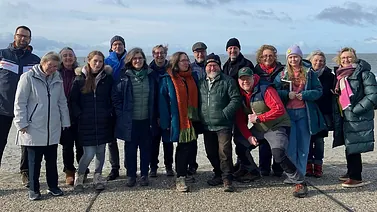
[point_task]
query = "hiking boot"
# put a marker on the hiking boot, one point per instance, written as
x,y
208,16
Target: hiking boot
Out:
x,y
131,182
98,182
190,179
25,179
249,177
69,177
170,172
352,183
114,174
153,173
318,171
144,181
239,173
79,182
55,191
301,190
34,195
309,170
180,184
215,181
228,187
344,177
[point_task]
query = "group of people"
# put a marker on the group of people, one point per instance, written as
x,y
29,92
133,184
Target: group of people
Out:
x,y
284,110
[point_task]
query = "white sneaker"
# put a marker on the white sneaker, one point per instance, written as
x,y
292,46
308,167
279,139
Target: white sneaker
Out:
x,y
79,182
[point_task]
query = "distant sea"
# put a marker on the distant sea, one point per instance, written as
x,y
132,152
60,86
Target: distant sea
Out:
x,y
370,58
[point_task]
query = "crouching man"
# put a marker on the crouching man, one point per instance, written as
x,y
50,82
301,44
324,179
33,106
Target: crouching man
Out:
x,y
264,109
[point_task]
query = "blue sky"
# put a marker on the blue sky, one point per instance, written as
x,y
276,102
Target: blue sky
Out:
x,y
89,24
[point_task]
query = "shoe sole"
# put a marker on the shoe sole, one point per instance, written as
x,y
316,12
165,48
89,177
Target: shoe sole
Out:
x,y
300,195
35,199
342,179
354,185
53,194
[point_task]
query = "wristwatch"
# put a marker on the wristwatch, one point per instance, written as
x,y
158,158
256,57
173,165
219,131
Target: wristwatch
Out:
x,y
258,120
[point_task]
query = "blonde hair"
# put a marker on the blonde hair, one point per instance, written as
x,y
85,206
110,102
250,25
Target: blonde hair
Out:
x,y
50,56
259,52
337,58
160,46
316,53
301,76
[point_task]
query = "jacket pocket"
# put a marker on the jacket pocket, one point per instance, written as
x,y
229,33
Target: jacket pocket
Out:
x,y
32,113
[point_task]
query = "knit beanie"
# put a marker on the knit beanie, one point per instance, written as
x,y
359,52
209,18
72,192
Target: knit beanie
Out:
x,y
117,38
294,50
233,42
213,58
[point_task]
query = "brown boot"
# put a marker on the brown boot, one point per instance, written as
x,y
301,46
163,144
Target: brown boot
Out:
x,y
69,177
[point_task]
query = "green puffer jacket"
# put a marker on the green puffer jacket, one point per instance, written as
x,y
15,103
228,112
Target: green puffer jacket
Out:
x,y
355,129
219,104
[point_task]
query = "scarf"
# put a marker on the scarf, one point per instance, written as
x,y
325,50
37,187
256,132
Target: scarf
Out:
x,y
140,75
187,98
343,87
320,71
268,69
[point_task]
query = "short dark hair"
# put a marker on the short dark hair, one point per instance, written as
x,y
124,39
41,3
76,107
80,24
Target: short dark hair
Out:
x,y
23,27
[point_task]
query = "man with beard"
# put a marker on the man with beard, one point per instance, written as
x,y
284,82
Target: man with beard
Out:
x,y
219,100
14,61
158,65
200,53
116,61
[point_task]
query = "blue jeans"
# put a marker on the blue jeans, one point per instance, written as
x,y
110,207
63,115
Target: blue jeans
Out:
x,y
299,139
316,150
87,157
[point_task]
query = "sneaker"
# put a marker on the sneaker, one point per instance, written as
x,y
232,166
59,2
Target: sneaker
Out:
x,y
301,190
215,181
228,187
34,195
69,177
98,182
25,179
131,182
318,171
144,181
55,191
190,179
344,177
352,183
191,171
79,182
288,181
114,174
309,170
153,173
180,184
239,173
249,177
170,173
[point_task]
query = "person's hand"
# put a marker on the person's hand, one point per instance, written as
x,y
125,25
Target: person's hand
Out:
x,y
23,130
253,141
299,96
292,95
253,117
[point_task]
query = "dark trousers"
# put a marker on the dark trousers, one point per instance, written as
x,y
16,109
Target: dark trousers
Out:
x,y
35,154
182,157
68,140
24,164
155,151
114,155
218,146
6,124
354,166
192,160
140,138
243,149
265,156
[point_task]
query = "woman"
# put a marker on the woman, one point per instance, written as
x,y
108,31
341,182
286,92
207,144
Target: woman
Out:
x,y
91,109
316,148
41,112
356,90
134,99
178,105
299,89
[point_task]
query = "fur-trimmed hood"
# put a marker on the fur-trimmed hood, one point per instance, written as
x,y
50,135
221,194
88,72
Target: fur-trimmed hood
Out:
x,y
83,70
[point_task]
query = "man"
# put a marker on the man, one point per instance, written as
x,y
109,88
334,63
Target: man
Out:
x,y
200,53
159,64
262,107
14,60
219,101
236,60
116,61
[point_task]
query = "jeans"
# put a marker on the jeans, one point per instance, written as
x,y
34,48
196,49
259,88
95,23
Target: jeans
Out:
x,y
155,151
316,150
140,138
182,157
87,157
35,155
354,166
218,146
299,139
6,124
68,140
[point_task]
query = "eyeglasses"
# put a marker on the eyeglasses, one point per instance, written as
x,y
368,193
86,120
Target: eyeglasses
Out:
x,y
23,36
159,53
137,58
346,58
267,56
184,60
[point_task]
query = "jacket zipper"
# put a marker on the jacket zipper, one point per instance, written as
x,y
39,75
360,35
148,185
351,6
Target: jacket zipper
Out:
x,y
48,116
32,113
95,114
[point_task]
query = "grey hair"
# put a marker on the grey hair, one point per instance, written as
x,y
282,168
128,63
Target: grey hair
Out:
x,y
314,53
50,56
75,64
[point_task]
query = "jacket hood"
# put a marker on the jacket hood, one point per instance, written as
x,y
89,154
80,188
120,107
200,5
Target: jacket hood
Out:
x,y
13,48
82,70
362,65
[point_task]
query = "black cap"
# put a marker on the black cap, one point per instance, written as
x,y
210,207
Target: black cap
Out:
x,y
213,58
198,45
233,42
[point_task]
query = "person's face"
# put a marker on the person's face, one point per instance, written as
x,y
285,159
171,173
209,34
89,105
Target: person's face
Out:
x,y
50,67
159,55
68,58
184,63
347,58
118,47
318,62
233,52
246,83
294,60
96,63
212,69
138,61
268,57
22,38
200,55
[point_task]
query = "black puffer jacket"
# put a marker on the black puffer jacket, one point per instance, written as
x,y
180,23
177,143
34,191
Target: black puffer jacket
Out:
x,y
231,68
93,111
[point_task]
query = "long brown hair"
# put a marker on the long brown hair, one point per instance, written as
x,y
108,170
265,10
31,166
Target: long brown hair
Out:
x,y
173,62
90,85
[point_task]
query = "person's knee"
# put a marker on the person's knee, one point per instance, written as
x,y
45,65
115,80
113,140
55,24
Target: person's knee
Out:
x,y
279,154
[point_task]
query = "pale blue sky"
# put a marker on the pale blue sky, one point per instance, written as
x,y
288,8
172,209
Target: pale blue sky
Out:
x,y
89,24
